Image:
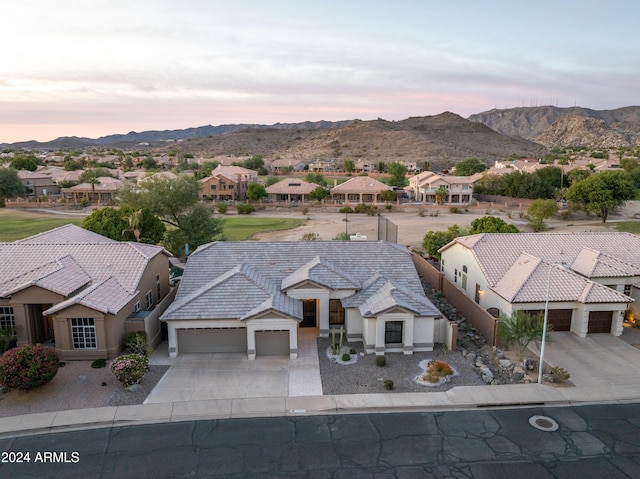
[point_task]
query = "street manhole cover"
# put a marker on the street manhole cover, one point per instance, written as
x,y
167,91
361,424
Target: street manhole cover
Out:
x,y
543,423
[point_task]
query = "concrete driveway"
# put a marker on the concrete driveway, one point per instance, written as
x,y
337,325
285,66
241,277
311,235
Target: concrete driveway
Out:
x,y
598,360
198,377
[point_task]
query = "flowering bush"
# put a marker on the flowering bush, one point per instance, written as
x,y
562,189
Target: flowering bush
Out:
x,y
28,366
130,368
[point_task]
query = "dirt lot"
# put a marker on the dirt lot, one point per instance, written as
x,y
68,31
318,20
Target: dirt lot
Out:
x,y
328,223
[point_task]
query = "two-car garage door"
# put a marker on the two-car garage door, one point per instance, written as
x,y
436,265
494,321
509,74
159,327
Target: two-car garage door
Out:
x,y
234,340
559,318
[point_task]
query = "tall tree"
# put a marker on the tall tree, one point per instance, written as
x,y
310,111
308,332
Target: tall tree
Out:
x,y
348,165
255,192
539,210
175,202
491,224
121,224
602,192
469,166
10,185
398,173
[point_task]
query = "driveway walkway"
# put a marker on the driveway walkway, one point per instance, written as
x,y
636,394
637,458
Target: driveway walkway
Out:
x,y
198,377
598,360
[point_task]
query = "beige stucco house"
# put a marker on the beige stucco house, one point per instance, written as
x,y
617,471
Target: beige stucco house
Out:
x,y
81,292
423,186
253,297
593,277
359,189
291,189
227,183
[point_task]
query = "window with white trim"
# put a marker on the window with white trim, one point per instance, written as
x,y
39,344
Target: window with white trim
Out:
x,y
136,307
149,299
83,333
7,318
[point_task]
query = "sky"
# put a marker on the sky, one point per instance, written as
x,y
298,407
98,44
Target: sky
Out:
x,y
90,69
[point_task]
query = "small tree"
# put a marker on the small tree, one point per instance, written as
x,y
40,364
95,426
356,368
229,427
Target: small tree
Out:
x,y
602,192
389,195
521,328
442,194
397,172
319,193
434,240
491,224
469,166
10,185
539,210
256,192
348,165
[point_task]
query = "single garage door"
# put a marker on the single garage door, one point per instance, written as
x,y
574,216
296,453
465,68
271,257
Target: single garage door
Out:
x,y
600,322
212,340
559,318
272,343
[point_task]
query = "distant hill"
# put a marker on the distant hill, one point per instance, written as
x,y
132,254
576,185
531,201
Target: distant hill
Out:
x,y
553,126
156,137
439,139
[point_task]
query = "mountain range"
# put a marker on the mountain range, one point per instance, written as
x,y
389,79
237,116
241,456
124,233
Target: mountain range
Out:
x,y
439,139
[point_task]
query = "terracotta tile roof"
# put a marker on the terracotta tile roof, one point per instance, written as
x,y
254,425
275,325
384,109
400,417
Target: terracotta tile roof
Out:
x,y
291,186
360,184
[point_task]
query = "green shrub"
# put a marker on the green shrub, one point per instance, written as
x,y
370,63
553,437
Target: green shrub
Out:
x,y
343,236
28,366
130,368
136,343
352,351
388,383
381,361
245,209
221,207
346,357
99,363
305,210
365,208
346,209
559,375
455,210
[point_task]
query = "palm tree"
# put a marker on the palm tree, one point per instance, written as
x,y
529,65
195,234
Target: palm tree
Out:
x,y
135,222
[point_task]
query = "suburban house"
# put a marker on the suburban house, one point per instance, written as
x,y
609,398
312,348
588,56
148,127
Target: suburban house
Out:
x,y
365,167
38,184
592,277
423,186
287,164
291,189
253,297
359,189
227,183
320,166
103,191
80,291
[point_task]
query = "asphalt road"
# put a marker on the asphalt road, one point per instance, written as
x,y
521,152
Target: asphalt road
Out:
x,y
598,441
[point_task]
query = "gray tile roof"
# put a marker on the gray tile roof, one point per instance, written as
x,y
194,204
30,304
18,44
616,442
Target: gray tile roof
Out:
x,y
218,282
516,265
73,261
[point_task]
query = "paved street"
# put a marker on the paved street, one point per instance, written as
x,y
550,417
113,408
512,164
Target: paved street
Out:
x,y
591,441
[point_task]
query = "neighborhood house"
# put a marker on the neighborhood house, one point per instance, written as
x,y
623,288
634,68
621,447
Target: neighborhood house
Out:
x,y
252,297
590,279
81,292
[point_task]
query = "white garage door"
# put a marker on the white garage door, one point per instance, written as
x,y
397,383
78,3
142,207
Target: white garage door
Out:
x,y
212,340
272,343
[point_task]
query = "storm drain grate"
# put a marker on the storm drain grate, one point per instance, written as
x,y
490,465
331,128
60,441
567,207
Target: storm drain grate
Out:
x,y
543,423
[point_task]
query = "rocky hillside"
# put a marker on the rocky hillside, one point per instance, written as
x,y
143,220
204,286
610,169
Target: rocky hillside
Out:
x,y
611,128
439,139
576,130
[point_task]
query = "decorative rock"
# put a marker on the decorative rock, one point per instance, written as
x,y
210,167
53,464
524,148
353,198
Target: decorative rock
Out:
x,y
133,387
505,363
471,357
82,379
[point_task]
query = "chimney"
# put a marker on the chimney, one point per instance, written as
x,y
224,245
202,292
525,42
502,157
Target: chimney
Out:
x,y
335,182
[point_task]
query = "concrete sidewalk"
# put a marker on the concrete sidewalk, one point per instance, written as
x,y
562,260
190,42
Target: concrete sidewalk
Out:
x,y
466,397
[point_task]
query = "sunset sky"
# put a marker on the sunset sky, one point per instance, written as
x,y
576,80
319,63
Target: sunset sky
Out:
x,y
78,68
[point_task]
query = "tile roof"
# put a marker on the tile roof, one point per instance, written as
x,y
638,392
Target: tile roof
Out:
x,y
360,184
240,279
73,261
516,266
291,186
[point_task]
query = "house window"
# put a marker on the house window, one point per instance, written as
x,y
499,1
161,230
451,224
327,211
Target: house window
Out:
x,y
7,319
464,278
393,332
136,307
158,291
336,312
230,187
213,187
455,275
149,300
627,289
83,333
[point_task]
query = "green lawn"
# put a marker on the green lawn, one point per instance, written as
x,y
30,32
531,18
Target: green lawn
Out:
x,y
242,228
629,227
15,225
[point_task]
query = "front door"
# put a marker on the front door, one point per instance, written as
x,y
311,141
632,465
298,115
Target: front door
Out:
x,y
308,313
